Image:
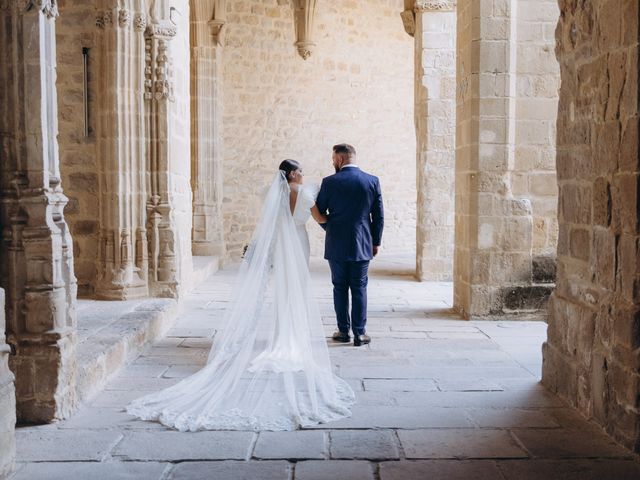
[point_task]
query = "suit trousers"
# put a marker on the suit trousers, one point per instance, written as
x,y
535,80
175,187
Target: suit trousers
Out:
x,y
350,276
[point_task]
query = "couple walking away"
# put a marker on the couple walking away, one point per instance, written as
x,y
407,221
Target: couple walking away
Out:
x,y
269,369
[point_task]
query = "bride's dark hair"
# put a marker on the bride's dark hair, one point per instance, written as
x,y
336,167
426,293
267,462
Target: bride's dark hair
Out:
x,y
288,166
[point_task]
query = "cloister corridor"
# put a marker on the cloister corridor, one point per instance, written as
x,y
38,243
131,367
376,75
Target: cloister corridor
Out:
x,y
437,398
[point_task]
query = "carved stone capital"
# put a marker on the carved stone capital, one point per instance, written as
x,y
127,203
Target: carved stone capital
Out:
x,y
217,30
124,18
48,7
165,30
140,22
435,5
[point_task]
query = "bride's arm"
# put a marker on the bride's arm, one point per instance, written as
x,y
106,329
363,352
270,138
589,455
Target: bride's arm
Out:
x,y
317,216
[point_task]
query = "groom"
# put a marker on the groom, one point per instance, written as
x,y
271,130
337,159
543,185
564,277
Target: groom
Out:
x,y
353,201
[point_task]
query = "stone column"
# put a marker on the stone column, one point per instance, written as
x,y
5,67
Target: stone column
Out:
x,y
7,403
493,226
37,253
592,352
169,204
435,75
122,258
207,23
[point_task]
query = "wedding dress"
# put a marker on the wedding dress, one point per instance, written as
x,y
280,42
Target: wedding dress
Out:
x,y
269,368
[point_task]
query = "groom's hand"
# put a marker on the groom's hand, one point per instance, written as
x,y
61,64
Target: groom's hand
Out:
x,y
375,250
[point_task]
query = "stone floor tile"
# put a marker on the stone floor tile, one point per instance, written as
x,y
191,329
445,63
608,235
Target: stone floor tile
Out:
x,y
180,371
459,443
290,445
363,444
179,446
440,470
116,398
92,418
142,371
364,416
334,469
400,385
64,445
468,385
588,469
231,470
513,418
534,398
567,443
92,470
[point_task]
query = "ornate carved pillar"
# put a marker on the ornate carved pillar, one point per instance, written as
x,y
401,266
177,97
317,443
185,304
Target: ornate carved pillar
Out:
x,y
433,26
122,262
169,205
7,403
207,27
304,16
37,253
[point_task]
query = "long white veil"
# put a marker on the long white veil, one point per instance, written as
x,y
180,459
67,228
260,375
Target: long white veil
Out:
x,y
269,368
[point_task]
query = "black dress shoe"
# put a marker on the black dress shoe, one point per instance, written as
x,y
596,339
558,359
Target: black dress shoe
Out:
x,y
359,340
342,337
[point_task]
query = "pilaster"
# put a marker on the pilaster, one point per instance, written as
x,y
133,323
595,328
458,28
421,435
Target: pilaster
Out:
x,y
37,253
169,202
7,403
122,258
433,26
206,126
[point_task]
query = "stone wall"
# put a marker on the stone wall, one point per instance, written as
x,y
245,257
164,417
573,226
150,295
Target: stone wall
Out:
x,y
356,87
78,161
7,403
592,354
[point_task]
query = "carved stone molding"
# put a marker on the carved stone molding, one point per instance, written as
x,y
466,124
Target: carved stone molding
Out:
x,y
140,22
409,22
435,5
159,81
305,12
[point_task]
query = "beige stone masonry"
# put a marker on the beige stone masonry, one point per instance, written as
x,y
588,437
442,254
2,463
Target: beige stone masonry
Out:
x,y
37,252
592,353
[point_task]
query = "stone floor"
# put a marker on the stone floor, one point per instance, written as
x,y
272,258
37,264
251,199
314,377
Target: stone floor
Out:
x,y
437,398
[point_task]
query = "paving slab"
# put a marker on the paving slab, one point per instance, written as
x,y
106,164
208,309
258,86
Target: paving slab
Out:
x,y
459,443
291,445
334,469
179,446
588,469
64,445
567,443
92,470
440,470
513,418
230,470
369,444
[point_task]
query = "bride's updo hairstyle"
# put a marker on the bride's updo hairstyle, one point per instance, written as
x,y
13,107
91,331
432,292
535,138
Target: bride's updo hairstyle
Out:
x,y
289,166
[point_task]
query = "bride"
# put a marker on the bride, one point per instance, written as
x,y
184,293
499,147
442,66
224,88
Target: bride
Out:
x,y
269,368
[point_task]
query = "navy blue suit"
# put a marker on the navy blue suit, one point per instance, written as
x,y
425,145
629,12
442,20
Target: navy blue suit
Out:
x,y
353,201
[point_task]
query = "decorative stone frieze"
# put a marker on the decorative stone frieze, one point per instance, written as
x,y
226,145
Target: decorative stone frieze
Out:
x,y
122,250
48,7
305,12
36,268
206,130
435,6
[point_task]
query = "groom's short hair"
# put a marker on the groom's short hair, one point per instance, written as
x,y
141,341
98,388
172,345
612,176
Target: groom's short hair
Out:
x,y
345,149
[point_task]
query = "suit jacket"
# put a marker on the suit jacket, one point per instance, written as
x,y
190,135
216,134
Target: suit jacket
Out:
x,y
353,201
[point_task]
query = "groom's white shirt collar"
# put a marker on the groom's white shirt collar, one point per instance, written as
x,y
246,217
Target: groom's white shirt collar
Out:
x,y
350,165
